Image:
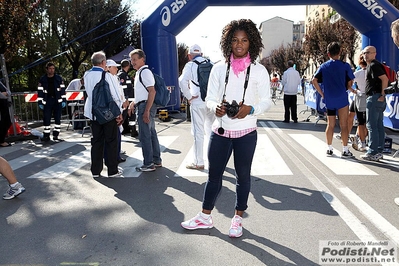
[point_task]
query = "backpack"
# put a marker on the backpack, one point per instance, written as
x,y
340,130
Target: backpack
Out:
x,y
104,108
162,95
390,73
203,71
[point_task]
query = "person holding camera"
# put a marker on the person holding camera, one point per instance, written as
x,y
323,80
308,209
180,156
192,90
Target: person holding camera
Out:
x,y
238,91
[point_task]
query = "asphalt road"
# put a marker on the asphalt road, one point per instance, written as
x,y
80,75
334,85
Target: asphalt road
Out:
x,y
299,198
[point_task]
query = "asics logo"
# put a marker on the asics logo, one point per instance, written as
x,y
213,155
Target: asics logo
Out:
x,y
374,8
168,11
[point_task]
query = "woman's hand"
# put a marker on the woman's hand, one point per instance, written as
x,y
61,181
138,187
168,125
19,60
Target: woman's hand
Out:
x,y
220,110
243,111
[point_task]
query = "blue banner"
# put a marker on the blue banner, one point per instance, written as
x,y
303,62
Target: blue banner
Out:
x,y
391,113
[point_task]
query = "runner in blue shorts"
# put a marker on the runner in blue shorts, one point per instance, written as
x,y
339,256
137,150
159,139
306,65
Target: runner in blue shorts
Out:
x,y
337,77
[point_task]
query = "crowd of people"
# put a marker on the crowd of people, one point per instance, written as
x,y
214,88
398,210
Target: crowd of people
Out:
x,y
238,90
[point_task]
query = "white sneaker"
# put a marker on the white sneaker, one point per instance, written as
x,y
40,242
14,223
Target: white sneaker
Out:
x,y
396,200
119,174
13,192
236,226
198,222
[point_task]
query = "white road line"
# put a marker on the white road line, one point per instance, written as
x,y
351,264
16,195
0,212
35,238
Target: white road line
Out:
x,y
184,172
66,167
346,215
136,158
336,164
267,160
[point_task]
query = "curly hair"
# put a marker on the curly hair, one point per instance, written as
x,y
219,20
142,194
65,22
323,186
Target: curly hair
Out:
x,y
255,40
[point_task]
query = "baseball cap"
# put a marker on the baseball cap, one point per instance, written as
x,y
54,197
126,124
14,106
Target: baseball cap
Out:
x,y
195,49
125,63
111,62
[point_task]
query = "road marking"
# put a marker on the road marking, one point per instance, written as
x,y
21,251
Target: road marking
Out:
x,y
136,158
267,160
336,164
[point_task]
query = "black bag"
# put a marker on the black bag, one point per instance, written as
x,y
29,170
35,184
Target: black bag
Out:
x,y
104,108
203,71
162,95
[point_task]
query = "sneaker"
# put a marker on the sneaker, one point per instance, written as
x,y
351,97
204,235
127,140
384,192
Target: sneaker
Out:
x,y
236,226
194,166
146,168
198,222
355,144
57,139
157,165
347,154
338,136
96,176
330,152
12,192
370,157
118,174
396,200
363,148
380,156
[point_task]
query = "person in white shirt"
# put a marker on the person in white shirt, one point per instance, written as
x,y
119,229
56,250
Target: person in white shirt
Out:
x,y
291,81
75,85
105,134
144,92
201,117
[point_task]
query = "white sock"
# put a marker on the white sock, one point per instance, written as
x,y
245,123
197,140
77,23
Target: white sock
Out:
x,y
346,149
206,216
330,147
13,185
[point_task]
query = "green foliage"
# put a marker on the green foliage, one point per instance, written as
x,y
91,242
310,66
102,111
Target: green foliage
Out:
x,y
65,32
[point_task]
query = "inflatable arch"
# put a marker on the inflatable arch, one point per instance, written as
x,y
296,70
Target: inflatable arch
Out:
x,y
372,18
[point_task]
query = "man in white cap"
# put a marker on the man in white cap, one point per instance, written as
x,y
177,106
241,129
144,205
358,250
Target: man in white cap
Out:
x,y
201,117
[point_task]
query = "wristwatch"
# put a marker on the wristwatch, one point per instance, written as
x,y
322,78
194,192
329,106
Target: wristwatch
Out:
x,y
252,110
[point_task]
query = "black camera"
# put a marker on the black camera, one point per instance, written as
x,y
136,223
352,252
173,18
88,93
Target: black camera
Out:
x,y
231,109
392,89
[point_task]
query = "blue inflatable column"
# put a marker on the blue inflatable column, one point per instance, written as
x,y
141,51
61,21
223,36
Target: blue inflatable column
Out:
x,y
161,52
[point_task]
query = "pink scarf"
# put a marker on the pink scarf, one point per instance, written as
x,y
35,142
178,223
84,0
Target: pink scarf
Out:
x,y
240,64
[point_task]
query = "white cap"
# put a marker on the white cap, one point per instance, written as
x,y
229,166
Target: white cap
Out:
x,y
111,62
195,49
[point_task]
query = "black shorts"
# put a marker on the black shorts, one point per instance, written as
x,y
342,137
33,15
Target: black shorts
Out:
x,y
361,116
331,112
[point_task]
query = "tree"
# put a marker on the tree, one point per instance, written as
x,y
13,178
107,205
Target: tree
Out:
x,y
321,32
14,23
85,26
182,50
279,57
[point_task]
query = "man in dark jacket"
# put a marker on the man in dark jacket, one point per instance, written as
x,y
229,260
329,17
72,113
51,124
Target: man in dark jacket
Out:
x,y
128,91
51,99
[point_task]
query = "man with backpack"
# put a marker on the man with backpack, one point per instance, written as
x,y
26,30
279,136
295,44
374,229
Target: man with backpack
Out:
x,y
144,92
102,133
193,83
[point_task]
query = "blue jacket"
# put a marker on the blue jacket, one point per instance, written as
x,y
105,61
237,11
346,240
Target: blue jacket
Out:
x,y
42,89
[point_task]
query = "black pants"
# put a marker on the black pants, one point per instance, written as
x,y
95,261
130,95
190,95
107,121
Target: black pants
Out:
x,y
290,104
106,134
5,120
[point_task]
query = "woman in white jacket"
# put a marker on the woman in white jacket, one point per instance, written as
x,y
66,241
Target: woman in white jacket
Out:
x,y
238,91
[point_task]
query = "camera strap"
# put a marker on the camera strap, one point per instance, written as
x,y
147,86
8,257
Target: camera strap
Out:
x,y
227,81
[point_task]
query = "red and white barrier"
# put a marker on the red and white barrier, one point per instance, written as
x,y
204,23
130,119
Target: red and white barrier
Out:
x,y
70,96
30,97
74,95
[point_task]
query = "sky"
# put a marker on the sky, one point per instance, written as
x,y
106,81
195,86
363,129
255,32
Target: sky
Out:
x,y
205,30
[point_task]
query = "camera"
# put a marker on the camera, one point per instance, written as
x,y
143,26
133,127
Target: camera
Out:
x,y
392,89
231,109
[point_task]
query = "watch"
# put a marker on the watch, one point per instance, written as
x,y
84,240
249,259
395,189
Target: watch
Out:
x,y
252,110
